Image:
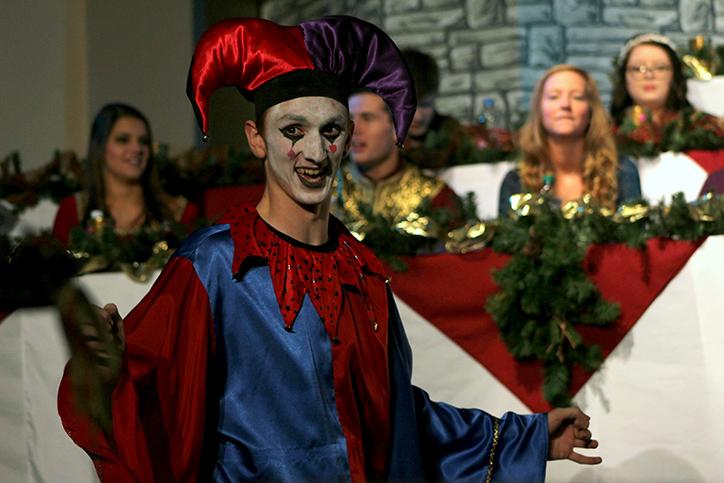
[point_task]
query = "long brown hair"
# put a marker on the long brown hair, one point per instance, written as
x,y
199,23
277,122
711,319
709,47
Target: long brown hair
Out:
x,y
155,199
600,165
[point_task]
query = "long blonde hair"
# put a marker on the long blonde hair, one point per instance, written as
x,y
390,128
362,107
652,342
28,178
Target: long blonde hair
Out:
x,y
600,165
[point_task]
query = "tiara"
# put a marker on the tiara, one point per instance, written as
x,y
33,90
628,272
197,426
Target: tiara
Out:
x,y
642,39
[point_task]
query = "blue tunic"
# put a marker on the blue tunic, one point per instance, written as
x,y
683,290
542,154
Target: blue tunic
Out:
x,y
276,415
214,388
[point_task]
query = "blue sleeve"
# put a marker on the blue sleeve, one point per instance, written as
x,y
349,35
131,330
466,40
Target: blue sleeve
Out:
x,y
439,442
509,187
629,184
457,443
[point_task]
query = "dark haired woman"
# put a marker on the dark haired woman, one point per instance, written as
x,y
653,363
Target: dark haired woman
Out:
x,y
122,182
650,75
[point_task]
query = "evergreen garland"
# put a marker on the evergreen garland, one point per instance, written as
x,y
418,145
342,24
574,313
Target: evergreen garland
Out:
x,y
58,178
544,292
639,136
137,254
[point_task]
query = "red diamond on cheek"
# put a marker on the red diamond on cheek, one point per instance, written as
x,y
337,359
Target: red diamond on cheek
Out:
x,y
332,148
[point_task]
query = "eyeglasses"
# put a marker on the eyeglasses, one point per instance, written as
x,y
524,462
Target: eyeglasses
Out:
x,y
641,70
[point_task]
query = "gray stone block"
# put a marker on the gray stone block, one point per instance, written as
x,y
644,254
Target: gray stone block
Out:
x,y
621,2
528,14
290,12
481,13
370,10
718,8
601,33
590,63
719,24
603,80
575,12
680,39
439,52
645,19
401,6
498,79
602,48
420,40
313,9
501,53
455,83
695,16
459,106
280,12
513,3
659,3
529,76
433,4
518,107
464,57
426,21
546,46
482,36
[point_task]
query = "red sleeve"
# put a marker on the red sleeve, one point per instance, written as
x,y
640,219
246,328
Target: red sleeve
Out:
x,y
159,404
65,219
190,214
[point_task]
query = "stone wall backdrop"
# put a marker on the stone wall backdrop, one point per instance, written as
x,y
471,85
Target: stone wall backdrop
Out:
x,y
499,48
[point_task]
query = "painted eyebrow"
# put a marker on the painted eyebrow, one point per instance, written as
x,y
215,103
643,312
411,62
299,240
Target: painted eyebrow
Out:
x,y
294,117
334,119
303,120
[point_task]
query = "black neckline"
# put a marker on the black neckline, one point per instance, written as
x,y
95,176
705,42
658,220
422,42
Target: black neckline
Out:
x,y
327,247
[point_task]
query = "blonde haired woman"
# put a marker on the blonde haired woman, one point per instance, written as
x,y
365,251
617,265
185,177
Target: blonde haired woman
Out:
x,y
567,144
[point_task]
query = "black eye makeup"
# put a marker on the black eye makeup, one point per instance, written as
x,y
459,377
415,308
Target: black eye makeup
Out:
x,y
331,131
292,132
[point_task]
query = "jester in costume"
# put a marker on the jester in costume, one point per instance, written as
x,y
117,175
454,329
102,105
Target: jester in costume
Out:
x,y
270,346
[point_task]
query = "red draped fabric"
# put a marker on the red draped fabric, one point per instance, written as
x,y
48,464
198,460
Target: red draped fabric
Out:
x,y
450,291
710,161
217,200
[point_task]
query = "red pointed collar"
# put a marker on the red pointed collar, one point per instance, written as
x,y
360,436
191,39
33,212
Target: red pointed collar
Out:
x,y
298,269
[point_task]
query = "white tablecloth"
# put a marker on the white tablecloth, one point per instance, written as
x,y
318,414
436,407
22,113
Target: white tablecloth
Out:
x,y
707,96
656,404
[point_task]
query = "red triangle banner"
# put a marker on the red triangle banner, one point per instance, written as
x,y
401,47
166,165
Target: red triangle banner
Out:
x,y
450,291
710,161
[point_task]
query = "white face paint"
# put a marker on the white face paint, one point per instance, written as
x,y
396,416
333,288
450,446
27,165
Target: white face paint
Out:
x,y
306,138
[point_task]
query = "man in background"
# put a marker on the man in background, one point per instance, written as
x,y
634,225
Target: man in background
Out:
x,y
378,176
